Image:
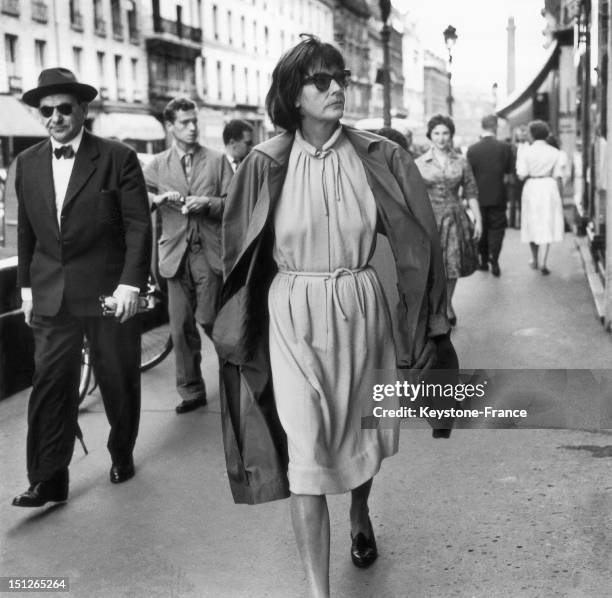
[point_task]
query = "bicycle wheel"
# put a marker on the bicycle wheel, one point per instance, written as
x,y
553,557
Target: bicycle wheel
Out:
x,y
155,344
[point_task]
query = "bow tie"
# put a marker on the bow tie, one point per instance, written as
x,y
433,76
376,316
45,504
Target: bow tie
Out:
x,y
65,151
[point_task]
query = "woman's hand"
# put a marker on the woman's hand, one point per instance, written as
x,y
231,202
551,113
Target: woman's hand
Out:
x,y
475,209
477,230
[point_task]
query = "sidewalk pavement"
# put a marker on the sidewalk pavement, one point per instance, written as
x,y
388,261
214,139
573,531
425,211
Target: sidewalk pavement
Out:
x,y
486,514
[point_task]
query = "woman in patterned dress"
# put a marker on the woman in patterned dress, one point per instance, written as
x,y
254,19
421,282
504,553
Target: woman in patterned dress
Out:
x,y
445,172
303,212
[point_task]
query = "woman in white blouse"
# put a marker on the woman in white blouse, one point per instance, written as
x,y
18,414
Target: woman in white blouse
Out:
x,y
541,167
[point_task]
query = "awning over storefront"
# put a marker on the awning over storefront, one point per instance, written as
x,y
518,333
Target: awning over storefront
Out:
x,y
403,125
123,125
17,121
518,106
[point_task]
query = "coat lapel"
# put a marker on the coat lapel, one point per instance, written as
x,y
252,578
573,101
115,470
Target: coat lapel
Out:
x,y
84,167
44,174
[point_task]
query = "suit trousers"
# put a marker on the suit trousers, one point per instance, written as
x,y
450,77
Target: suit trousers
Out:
x,y
493,229
193,297
54,400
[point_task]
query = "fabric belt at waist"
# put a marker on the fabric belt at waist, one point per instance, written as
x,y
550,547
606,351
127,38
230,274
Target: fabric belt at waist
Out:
x,y
333,276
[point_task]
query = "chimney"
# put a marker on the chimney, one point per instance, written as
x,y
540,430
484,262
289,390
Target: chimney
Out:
x,y
511,65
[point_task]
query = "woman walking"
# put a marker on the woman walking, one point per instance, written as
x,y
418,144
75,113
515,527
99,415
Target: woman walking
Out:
x,y
541,166
445,173
303,308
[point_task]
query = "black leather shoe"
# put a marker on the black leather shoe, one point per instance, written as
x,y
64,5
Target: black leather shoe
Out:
x,y
363,550
495,269
122,471
40,493
190,404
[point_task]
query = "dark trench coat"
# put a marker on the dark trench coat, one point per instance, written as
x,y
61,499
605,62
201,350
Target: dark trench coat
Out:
x,y
254,442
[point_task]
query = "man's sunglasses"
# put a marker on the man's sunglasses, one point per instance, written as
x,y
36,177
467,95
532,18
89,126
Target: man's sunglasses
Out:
x,y
64,109
322,81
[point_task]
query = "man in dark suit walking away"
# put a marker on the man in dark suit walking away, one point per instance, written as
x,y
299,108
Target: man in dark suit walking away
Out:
x,y
187,185
84,230
491,160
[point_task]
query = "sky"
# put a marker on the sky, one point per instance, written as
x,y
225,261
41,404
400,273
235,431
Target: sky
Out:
x,y
479,56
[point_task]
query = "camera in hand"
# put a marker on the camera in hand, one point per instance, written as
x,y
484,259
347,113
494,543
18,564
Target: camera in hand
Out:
x,y
108,303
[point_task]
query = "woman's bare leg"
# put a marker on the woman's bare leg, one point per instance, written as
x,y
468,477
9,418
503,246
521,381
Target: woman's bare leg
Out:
x,y
534,255
451,283
310,518
545,257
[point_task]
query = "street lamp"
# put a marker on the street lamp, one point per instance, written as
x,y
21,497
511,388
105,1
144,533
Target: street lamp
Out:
x,y
450,37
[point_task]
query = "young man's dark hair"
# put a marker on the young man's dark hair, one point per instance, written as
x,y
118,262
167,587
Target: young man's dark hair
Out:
x,y
234,129
173,106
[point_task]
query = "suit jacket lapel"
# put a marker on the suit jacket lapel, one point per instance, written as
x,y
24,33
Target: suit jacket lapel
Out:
x,y
84,167
44,173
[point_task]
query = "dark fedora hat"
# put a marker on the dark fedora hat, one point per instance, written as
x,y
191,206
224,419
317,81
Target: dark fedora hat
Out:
x,y
58,80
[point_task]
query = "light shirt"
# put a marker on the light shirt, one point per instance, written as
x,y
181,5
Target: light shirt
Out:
x,y
232,162
62,169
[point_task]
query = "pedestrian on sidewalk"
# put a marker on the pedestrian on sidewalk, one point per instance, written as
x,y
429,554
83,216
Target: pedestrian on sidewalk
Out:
x,y
84,230
541,167
492,162
238,141
445,172
305,322
187,186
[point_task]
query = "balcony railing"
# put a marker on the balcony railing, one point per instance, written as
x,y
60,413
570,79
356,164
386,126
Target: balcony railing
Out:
x,y
138,95
177,28
171,88
10,7
100,27
40,11
76,21
104,95
121,95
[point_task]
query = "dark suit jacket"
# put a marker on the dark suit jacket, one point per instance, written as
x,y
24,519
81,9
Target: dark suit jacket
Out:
x,y
490,160
105,233
211,174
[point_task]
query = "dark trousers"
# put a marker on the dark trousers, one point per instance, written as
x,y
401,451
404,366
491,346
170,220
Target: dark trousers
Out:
x,y
54,401
193,297
493,228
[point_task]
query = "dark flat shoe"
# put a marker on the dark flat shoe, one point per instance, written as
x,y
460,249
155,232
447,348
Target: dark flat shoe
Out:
x,y
363,550
190,404
495,269
545,271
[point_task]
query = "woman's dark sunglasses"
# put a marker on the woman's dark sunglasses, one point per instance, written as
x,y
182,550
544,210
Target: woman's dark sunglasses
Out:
x,y
322,81
64,109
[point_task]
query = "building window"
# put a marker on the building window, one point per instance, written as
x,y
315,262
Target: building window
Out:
x,y
119,78
219,81
243,31
229,28
282,41
40,48
246,85
99,22
77,60
12,67
199,14
101,60
215,20
258,86
233,71
132,20
116,19
76,18
266,41
136,95
255,36
40,11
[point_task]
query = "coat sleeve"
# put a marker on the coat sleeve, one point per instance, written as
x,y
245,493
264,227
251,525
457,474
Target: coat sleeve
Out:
x,y
415,194
217,202
26,238
136,222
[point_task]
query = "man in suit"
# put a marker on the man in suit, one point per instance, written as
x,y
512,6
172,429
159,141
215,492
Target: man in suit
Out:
x,y
187,185
238,141
491,160
84,230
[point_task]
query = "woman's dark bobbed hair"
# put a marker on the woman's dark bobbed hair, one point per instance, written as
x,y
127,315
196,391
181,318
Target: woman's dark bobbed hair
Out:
x,y
539,129
288,76
440,119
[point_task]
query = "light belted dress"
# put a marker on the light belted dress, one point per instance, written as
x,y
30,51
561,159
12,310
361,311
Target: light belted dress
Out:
x,y
330,326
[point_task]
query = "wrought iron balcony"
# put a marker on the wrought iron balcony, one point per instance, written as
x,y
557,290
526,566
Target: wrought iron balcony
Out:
x,y
40,11
76,21
177,28
117,31
100,27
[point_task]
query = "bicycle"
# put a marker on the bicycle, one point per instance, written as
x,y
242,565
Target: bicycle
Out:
x,y
156,342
